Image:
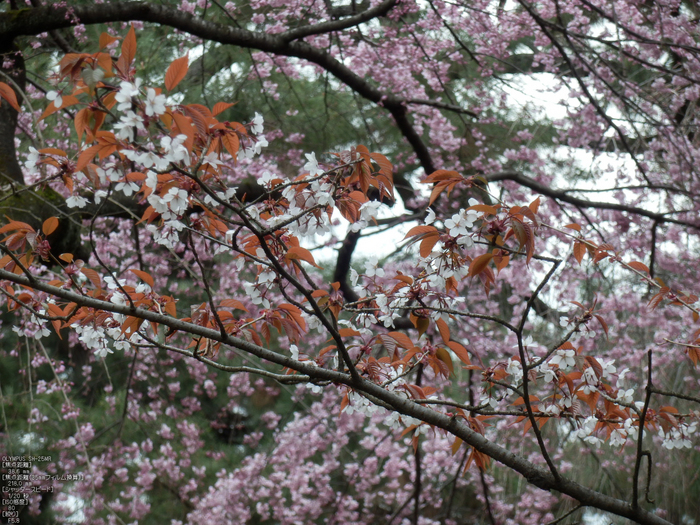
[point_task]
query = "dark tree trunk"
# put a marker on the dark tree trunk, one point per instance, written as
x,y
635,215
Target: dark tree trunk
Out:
x,y
12,66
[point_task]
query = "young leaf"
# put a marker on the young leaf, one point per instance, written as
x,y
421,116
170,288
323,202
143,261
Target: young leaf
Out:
x,y
93,276
7,93
460,352
176,72
49,225
444,356
145,277
427,244
479,264
484,208
128,51
348,332
444,330
231,143
233,303
420,231
106,39
640,267
456,445
220,107
299,253
402,339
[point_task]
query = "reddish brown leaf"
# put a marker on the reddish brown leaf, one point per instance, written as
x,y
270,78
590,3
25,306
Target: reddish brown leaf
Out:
x,y
55,311
456,445
128,51
597,368
640,267
444,330
428,243
16,225
348,332
603,324
50,110
184,124
694,355
93,276
460,352
521,400
221,106
656,300
421,323
579,251
231,143
442,363
49,225
444,357
479,264
402,339
86,157
7,93
484,208
534,206
131,326
299,253
81,122
145,277
441,175
106,39
233,303
420,230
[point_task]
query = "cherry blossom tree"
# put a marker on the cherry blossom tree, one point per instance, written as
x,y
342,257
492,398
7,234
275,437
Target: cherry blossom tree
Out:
x,y
181,345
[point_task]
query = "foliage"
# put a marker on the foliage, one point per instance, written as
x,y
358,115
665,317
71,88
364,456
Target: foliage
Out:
x,y
178,336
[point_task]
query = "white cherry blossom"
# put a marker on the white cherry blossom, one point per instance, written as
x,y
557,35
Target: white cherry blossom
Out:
x,y
549,374
127,187
127,90
257,125
177,199
76,201
56,98
312,165
515,369
155,104
371,269
564,359
625,396
126,125
32,158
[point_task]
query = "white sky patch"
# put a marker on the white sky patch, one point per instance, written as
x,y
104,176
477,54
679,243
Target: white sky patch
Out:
x,y
539,95
73,507
196,52
594,518
534,97
382,243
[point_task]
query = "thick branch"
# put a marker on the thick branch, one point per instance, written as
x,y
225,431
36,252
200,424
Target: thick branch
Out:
x,y
339,25
34,21
10,169
534,474
564,196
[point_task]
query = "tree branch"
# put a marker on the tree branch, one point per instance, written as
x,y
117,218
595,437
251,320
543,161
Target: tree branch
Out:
x,y
534,474
29,22
563,196
339,25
